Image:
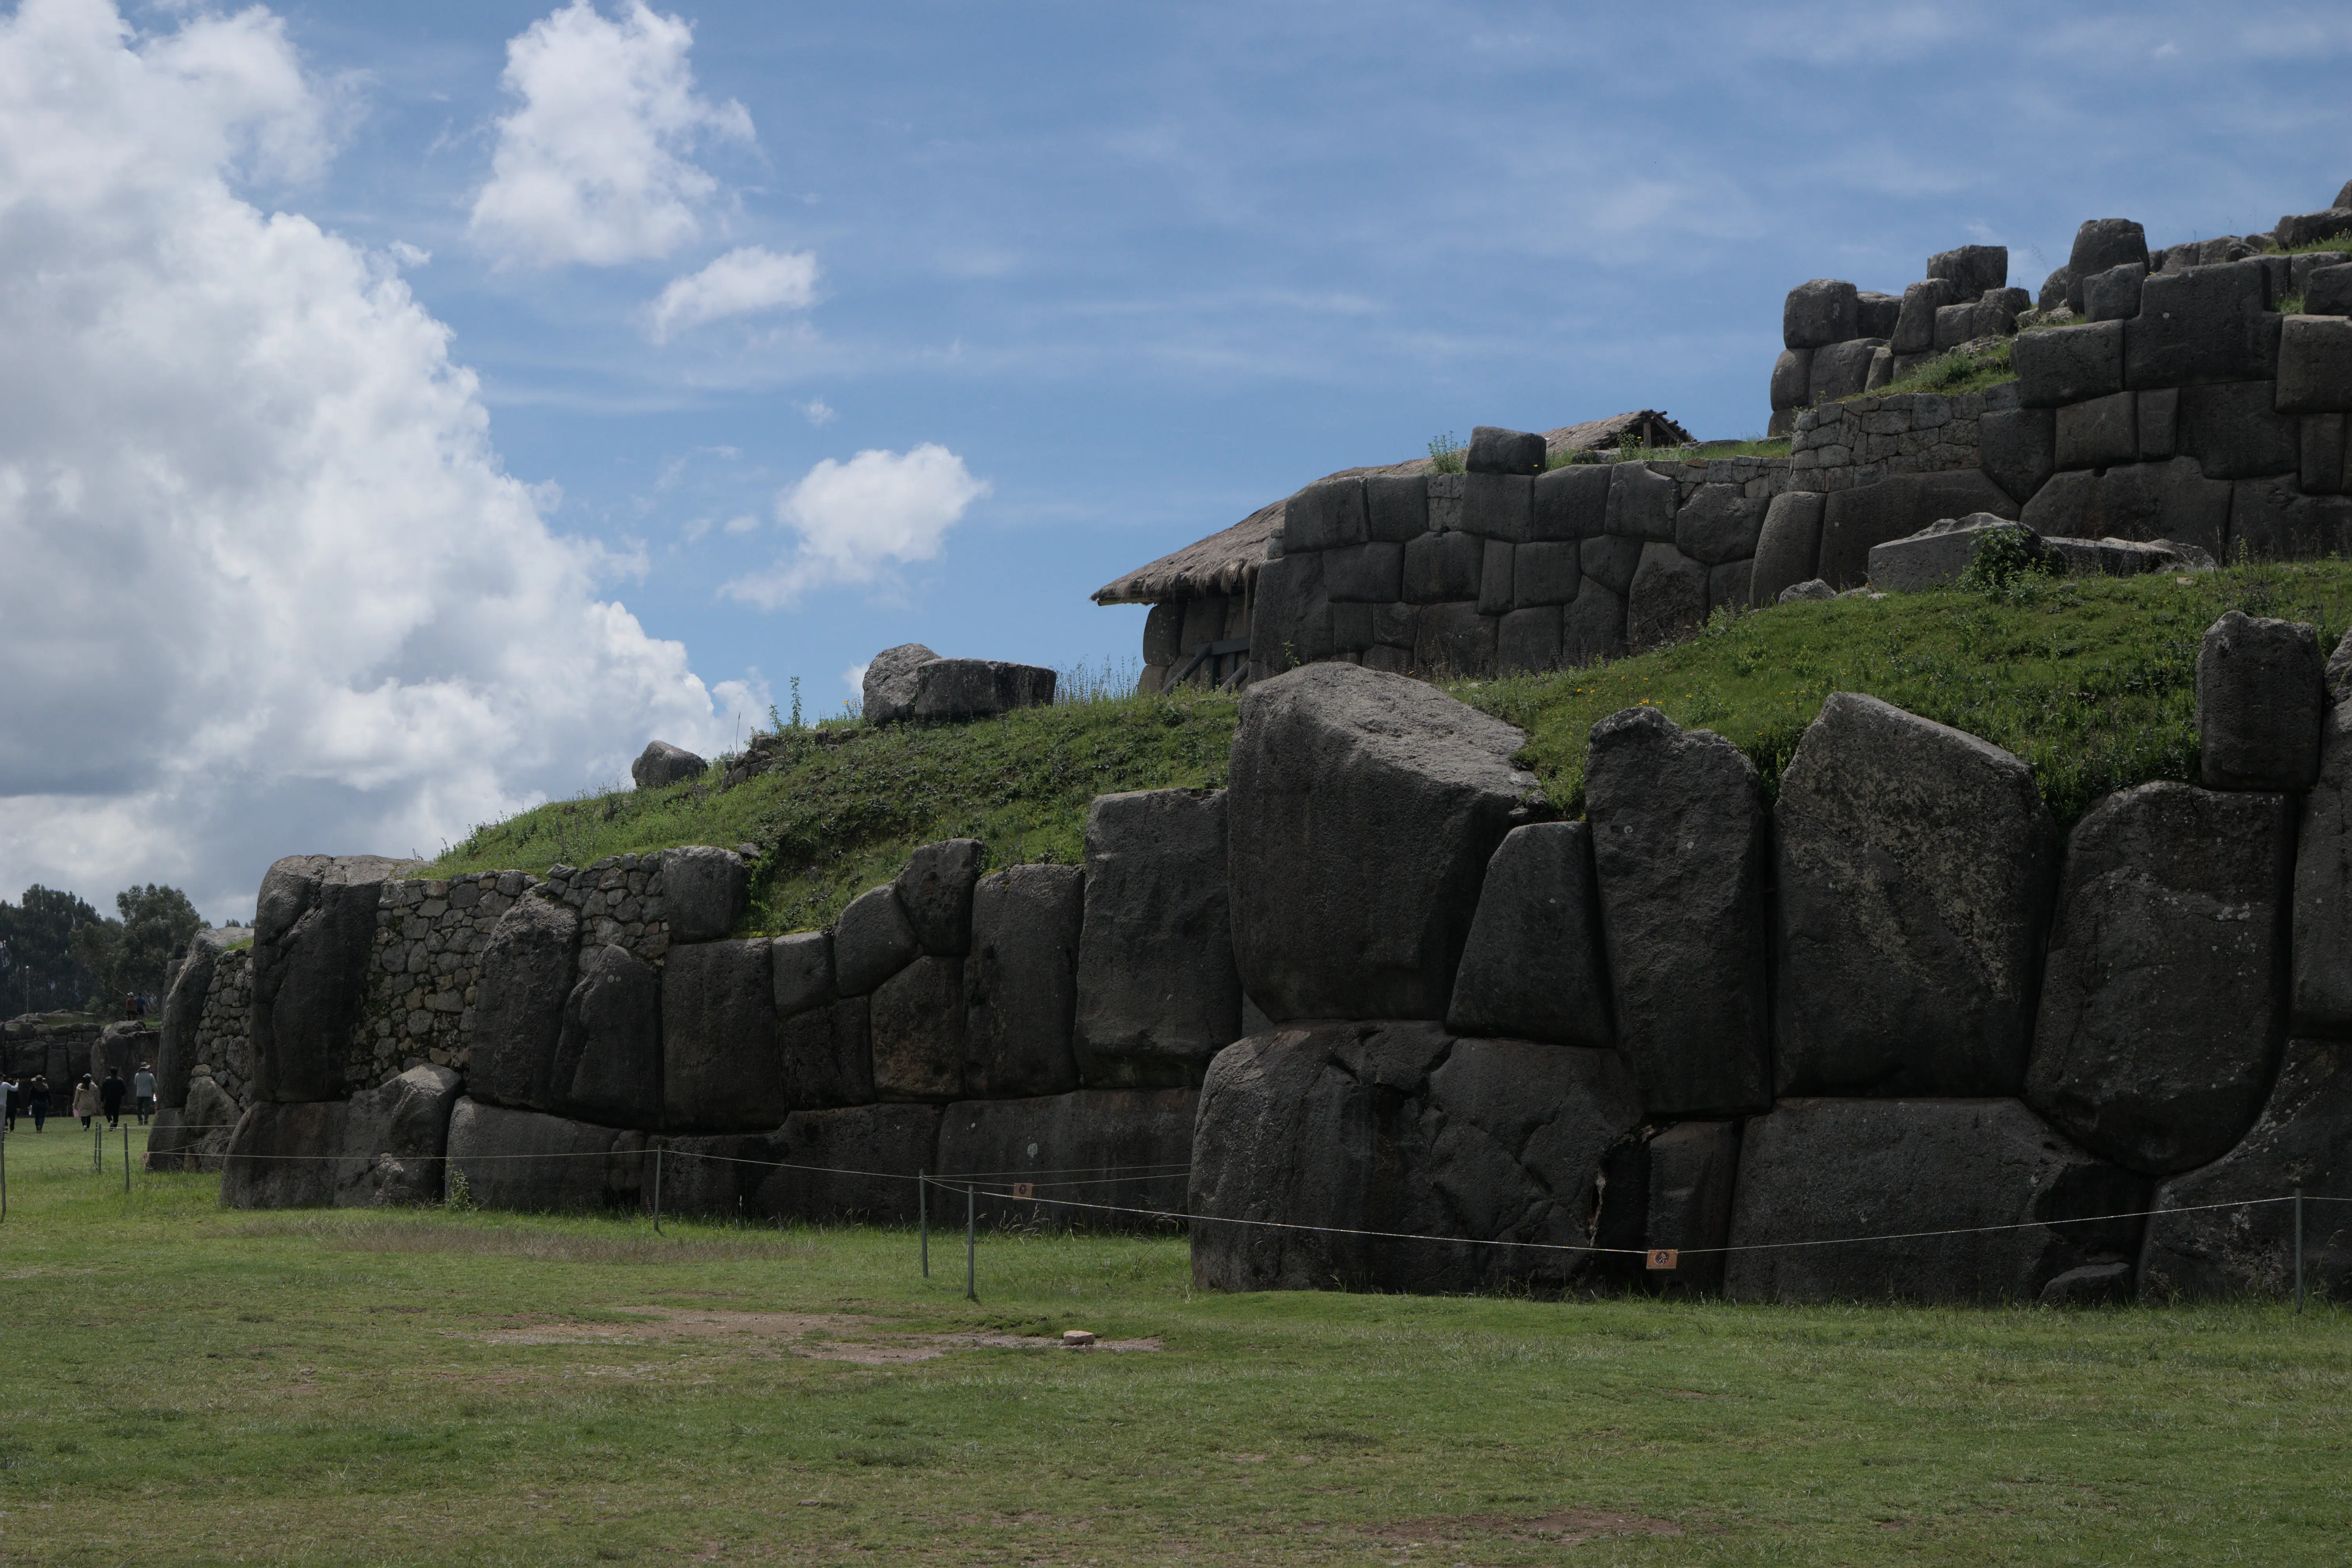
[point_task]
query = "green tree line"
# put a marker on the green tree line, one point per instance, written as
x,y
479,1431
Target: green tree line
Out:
x,y
57,954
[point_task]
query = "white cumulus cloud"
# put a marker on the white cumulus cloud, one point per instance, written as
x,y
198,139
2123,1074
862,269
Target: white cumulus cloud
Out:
x,y
739,283
591,166
856,519
267,588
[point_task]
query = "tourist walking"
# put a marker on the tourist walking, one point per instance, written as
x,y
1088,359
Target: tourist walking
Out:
x,y
36,1100
85,1100
110,1096
142,1092
9,1093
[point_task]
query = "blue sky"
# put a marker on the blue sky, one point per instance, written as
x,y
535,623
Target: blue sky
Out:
x,y
1133,270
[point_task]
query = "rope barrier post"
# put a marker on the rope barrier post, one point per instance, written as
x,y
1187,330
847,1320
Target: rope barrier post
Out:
x,y
923,1216
3,1172
657,1165
2298,1251
97,1148
971,1289
126,1161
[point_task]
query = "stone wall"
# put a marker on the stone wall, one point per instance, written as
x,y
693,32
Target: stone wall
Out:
x,y
1845,446
1898,1001
1468,573
224,1031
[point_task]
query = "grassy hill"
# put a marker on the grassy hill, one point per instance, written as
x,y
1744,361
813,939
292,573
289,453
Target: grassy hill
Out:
x,y
2091,682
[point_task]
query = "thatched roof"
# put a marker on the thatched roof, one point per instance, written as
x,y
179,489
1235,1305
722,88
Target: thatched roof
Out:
x,y
1226,562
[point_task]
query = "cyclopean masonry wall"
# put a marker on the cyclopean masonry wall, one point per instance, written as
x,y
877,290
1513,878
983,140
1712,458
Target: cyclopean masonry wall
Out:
x,y
1044,1019
1489,1028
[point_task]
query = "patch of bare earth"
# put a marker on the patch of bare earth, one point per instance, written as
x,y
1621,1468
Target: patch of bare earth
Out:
x,y
1566,1528
818,1335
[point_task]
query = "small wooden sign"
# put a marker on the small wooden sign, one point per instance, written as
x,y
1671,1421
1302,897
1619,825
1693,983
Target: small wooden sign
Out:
x,y
1664,1258
1025,1190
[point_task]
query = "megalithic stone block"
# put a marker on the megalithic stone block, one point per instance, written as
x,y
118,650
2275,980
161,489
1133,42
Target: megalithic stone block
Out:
x,y
1364,808
1158,990
528,971
314,938
1917,866
2189,885
1532,968
1681,850
2260,696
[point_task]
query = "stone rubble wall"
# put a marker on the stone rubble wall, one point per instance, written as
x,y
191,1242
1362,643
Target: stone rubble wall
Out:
x,y
224,1031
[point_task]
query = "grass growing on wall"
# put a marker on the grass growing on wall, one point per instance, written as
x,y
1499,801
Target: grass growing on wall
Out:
x,y
2092,681
853,799
195,1386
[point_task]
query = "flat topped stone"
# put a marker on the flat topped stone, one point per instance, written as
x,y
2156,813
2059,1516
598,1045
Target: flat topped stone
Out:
x,y
1941,552
1363,809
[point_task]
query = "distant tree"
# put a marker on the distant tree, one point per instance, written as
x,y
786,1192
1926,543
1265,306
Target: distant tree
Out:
x,y
40,972
157,922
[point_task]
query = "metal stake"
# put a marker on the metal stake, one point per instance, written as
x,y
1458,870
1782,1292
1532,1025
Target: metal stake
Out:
x,y
2298,1249
971,1291
923,1215
657,1164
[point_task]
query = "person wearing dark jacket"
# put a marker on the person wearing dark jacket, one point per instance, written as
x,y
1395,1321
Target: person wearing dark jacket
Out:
x,y
110,1096
36,1100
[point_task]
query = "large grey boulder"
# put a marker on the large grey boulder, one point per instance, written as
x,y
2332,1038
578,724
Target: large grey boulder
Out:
x,y
1971,269
1819,312
1834,1170
2165,880
314,938
2234,431
2303,1140
2321,989
1495,450
2315,370
1693,1167
1099,1159
2261,694
1570,503
529,968
2069,364
872,940
1291,620
1396,507
1718,524
1326,515
1158,990
1443,567
1682,848
529,1161
949,689
1917,866
889,687
801,965
1792,379
2099,244
2203,324
704,890
197,1135
184,1012
1592,627
382,1146
2113,295
1021,982
826,1054
2018,448
1893,507
721,1071
1787,547
1940,552
2166,501
857,1165
1363,810
1667,601
917,1023
1401,1128
935,889
1643,503
1842,370
661,763
608,1065
1532,967
1915,322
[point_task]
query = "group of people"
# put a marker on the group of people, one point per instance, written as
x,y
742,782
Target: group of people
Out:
x,y
90,1099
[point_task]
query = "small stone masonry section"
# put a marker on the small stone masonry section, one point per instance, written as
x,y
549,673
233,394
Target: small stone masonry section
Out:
x,y
1842,446
428,943
223,1031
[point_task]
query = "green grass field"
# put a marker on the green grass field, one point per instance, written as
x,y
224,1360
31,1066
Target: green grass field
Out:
x,y
189,1386
2091,682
